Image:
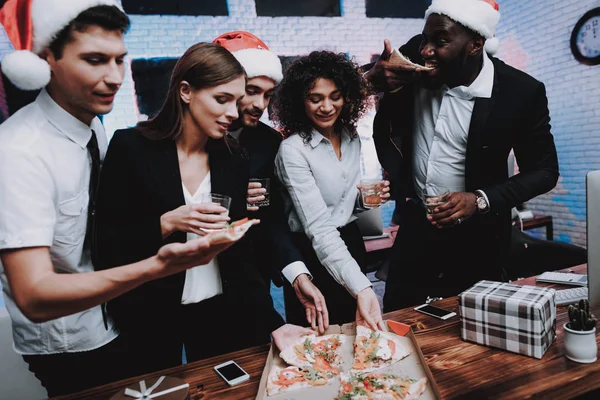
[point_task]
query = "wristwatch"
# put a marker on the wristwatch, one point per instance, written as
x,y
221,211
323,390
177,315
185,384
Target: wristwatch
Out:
x,y
481,202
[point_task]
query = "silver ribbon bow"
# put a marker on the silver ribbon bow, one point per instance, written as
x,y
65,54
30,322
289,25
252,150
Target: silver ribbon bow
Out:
x,y
146,393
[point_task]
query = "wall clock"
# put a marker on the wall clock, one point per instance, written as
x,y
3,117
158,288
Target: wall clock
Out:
x,y
585,39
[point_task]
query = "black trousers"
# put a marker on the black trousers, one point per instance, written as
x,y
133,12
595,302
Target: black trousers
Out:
x,y
66,373
156,343
428,261
340,304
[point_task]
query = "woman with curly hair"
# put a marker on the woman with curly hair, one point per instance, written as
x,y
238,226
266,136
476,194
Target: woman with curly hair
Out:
x,y
317,106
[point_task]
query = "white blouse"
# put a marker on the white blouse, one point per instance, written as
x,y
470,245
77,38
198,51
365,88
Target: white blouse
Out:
x,y
204,281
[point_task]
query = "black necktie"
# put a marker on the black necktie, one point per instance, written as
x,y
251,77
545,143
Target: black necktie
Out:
x,y
94,151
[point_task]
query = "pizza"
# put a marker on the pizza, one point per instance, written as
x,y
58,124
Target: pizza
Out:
x,y
323,353
232,232
376,349
282,380
380,387
398,58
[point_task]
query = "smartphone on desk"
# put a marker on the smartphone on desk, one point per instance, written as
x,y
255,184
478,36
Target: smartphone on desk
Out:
x,y
435,311
231,373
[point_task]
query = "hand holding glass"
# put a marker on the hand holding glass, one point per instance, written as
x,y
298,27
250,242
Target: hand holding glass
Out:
x,y
219,199
434,196
265,183
371,191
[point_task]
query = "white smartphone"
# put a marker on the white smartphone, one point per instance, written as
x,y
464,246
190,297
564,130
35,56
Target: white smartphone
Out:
x,y
231,373
435,311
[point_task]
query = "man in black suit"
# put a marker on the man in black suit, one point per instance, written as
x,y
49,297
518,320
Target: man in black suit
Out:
x,y
279,259
452,123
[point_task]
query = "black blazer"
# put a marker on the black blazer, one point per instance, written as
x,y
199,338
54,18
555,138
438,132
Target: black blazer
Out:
x,y
515,117
141,181
272,237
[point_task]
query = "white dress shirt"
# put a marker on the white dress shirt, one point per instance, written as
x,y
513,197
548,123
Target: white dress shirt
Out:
x,y
45,172
442,120
204,281
321,195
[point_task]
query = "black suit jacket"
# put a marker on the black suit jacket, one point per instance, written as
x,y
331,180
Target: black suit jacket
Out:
x,y
515,117
141,181
272,237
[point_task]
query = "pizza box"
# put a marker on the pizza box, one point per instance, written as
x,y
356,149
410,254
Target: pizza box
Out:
x,y
413,366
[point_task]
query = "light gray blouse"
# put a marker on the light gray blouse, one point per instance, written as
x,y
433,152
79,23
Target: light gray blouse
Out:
x,y
321,196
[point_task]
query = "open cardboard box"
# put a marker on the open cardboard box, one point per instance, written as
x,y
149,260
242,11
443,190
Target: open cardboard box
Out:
x,y
413,366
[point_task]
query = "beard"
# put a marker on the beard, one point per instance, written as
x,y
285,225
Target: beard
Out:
x,y
450,72
250,117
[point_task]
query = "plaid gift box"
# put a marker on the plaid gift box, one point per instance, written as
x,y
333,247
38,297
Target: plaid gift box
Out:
x,y
520,319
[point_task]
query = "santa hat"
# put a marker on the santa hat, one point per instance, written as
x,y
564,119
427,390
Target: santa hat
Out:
x,y
253,54
480,16
31,26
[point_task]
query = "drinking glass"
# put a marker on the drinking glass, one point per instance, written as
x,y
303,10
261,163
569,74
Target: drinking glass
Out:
x,y
265,183
220,199
371,191
434,196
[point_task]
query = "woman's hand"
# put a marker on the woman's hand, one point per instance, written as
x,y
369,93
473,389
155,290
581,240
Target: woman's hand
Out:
x,y
368,312
385,192
287,334
194,218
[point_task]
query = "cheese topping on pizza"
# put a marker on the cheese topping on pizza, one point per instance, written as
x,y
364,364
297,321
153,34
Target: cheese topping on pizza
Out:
x,y
319,352
373,350
381,387
293,378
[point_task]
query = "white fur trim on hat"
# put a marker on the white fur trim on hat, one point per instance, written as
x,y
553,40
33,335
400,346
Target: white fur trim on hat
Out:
x,y
492,45
259,62
476,15
26,70
49,17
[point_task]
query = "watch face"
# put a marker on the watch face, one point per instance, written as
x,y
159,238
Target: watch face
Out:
x,y
481,203
585,39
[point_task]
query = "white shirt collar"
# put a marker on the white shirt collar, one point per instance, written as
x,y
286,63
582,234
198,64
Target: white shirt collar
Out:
x,y
66,123
481,86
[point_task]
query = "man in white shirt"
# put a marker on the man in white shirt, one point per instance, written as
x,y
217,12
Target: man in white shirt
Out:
x,y
453,124
50,153
278,256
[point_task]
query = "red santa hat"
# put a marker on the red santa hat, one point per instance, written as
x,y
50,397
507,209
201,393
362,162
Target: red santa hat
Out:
x,y
480,16
253,54
31,26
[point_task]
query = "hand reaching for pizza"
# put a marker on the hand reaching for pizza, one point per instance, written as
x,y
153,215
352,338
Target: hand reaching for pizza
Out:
x,y
368,312
287,334
313,302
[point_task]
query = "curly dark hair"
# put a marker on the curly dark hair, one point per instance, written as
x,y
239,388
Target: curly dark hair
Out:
x,y
288,104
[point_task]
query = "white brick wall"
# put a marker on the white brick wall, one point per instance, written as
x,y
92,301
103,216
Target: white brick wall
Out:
x,y
534,37
537,37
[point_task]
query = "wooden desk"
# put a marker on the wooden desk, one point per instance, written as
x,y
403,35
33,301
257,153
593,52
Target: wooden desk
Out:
x,y
538,221
461,369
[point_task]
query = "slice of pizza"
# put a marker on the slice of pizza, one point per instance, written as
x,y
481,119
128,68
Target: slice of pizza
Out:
x,y
282,380
380,387
232,232
323,353
398,58
376,349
